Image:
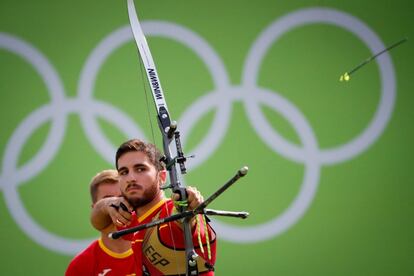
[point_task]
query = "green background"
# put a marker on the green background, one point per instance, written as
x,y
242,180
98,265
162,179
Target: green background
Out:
x,y
360,221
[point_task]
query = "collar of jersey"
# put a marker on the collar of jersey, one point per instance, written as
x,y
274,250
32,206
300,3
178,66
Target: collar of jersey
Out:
x,y
150,211
112,253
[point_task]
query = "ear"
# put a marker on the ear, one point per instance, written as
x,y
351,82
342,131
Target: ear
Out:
x,y
162,176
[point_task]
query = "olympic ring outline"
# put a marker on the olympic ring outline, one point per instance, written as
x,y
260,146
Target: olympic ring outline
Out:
x,y
308,154
289,150
363,32
59,108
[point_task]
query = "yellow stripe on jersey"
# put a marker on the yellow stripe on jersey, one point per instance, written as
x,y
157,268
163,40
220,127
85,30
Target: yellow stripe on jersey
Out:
x,y
150,211
112,253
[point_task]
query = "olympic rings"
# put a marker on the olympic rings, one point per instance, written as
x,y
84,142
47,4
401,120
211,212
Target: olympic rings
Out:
x,y
221,99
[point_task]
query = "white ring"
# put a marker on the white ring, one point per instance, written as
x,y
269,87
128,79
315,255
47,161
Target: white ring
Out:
x,y
222,98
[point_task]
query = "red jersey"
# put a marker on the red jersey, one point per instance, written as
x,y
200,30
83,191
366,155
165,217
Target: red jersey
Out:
x,y
160,250
98,260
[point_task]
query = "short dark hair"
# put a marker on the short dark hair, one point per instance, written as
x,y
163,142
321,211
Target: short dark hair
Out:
x,y
150,150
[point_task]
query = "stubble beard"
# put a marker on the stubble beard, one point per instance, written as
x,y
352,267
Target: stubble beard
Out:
x,y
147,197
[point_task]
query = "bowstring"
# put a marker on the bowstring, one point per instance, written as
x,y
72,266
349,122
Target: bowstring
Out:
x,y
153,142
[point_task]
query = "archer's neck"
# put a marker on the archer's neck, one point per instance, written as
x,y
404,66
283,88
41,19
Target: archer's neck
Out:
x,y
157,198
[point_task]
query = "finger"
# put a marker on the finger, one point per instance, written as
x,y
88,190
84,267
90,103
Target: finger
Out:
x,y
121,221
124,215
190,195
124,204
175,197
120,207
118,216
195,203
194,198
123,207
193,193
118,222
200,197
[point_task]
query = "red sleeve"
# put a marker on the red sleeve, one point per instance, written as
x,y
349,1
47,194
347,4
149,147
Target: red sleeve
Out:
x,y
134,222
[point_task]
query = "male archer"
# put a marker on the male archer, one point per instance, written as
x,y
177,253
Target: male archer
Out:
x,y
104,256
159,250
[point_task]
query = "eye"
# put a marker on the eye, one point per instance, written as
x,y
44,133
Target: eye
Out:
x,y
140,169
123,172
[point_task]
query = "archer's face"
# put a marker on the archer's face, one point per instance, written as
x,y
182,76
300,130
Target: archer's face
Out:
x,y
139,180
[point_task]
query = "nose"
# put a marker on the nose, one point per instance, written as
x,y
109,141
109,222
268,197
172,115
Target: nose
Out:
x,y
130,178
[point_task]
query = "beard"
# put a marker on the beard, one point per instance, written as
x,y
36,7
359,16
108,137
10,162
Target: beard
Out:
x,y
147,197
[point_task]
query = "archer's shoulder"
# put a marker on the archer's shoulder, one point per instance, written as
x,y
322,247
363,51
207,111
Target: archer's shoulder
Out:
x,y
89,251
81,262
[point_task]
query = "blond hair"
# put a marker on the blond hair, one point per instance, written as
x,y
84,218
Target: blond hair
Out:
x,y
103,177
